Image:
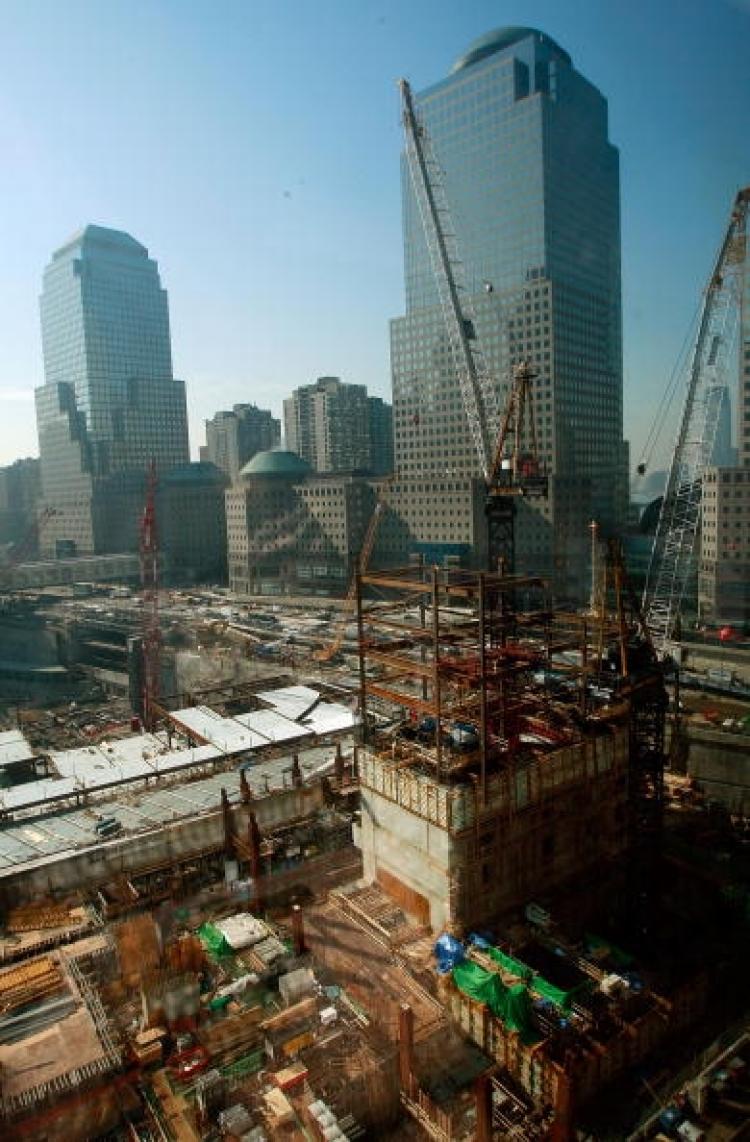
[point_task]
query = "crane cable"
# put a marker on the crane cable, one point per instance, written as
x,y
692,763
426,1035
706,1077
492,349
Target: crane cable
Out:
x,y
667,399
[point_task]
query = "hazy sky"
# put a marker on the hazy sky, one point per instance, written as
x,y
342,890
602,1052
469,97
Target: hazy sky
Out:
x,y
253,147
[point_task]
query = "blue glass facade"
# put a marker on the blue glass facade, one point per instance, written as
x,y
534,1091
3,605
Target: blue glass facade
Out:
x,y
533,184
110,402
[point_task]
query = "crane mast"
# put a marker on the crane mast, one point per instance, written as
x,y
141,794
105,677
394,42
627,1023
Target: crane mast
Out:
x,y
673,554
508,470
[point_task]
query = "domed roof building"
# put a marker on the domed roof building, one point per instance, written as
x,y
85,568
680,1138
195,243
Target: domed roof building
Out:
x,y
276,462
291,530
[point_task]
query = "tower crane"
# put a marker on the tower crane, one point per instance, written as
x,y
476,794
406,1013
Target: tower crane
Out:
x,y
509,471
673,554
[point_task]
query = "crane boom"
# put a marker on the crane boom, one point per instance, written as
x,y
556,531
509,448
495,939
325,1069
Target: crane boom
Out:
x,y
506,477
673,553
474,379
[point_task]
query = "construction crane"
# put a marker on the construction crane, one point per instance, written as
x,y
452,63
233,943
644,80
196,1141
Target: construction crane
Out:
x,y
27,542
509,470
331,649
673,554
151,629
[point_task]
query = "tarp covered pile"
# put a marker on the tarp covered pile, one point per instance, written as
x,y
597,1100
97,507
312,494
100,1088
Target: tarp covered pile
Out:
x,y
511,1004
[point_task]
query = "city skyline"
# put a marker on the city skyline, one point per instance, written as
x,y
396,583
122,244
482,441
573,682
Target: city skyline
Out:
x,y
327,189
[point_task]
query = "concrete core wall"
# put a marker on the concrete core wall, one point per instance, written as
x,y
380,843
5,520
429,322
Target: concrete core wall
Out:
x,y
561,817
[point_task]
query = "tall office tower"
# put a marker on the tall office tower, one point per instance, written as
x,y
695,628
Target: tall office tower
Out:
x,y
19,493
109,402
327,424
533,185
381,436
233,438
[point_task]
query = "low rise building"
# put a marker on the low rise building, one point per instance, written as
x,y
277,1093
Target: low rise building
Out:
x,y
290,531
233,438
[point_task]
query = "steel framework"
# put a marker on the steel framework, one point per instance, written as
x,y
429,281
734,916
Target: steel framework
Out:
x,y
673,554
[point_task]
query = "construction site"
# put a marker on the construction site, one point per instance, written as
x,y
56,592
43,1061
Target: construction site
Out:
x,y
450,907
433,871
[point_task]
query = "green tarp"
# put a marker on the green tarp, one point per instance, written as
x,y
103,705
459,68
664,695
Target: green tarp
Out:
x,y
511,1004
537,983
214,941
515,967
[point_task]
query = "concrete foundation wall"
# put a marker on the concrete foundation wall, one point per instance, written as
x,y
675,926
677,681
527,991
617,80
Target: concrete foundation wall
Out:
x,y
415,851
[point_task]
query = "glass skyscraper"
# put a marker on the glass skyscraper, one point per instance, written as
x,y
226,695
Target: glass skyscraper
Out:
x,y
110,402
533,185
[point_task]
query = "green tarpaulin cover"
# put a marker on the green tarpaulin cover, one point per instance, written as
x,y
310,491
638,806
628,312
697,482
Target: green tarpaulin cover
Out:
x,y
213,941
537,983
511,1004
515,967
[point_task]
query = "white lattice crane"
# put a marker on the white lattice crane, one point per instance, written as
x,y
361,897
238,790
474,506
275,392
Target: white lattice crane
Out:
x,y
673,555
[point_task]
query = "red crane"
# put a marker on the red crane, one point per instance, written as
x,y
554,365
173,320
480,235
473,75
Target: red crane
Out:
x,y
149,549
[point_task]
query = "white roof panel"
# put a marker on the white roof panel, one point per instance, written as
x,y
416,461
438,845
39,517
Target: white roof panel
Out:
x,y
290,701
184,758
272,725
139,747
226,734
36,792
14,748
330,717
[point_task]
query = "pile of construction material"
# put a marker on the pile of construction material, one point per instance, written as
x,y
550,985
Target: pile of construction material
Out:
x,y
30,998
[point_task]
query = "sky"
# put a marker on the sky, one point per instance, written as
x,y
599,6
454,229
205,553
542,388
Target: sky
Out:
x,y
253,146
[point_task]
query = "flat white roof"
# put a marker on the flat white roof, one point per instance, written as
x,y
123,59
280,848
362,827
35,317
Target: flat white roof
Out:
x,y
272,725
88,769
14,748
290,701
227,734
330,717
134,753
36,792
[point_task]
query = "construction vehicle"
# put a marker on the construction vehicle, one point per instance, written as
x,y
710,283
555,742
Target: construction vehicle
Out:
x,y
509,461
331,649
673,555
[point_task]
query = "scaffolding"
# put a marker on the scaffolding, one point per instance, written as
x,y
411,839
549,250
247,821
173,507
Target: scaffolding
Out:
x,y
481,702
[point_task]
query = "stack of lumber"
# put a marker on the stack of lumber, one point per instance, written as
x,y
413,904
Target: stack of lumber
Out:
x,y
32,917
29,983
